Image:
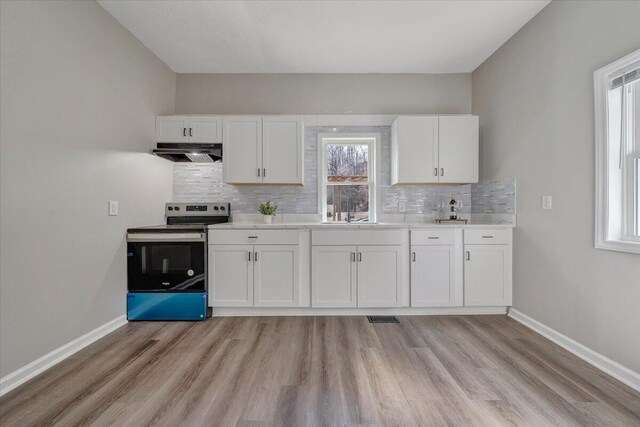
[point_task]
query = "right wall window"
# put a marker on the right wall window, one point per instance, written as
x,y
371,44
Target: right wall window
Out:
x,y
617,115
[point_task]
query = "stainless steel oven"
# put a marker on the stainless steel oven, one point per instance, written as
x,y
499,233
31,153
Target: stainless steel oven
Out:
x,y
167,264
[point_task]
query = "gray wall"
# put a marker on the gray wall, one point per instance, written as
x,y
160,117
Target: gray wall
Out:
x,y
534,97
78,98
323,93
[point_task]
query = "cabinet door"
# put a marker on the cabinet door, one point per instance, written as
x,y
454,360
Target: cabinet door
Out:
x,y
230,275
276,279
283,150
458,149
433,276
414,150
487,275
172,129
242,150
379,276
333,276
205,129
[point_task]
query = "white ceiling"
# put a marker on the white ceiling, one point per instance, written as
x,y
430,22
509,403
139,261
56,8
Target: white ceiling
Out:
x,y
323,36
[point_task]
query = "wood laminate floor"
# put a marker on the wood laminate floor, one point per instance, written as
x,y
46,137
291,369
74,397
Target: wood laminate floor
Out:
x,y
323,371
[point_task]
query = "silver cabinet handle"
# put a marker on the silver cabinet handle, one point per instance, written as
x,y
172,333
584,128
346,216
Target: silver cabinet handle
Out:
x,y
359,256
190,131
434,237
255,256
249,256
413,256
487,237
468,256
441,171
258,171
184,131
353,257
253,237
435,171
264,173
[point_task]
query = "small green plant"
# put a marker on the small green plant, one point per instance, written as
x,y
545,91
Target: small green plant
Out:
x,y
268,208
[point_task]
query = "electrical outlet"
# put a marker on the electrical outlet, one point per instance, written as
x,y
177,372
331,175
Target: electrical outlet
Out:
x,y
402,206
113,208
547,202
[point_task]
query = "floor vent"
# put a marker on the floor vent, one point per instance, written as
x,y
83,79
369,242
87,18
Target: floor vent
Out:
x,y
383,319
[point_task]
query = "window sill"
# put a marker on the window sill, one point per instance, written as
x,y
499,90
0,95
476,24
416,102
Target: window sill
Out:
x,y
619,246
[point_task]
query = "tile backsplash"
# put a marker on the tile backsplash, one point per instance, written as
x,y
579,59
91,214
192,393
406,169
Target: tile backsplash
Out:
x,y
202,182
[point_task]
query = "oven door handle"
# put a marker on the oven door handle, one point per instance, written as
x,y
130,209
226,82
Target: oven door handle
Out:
x,y
166,237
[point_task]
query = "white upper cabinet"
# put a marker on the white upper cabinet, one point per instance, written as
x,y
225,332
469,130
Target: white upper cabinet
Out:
x,y
205,129
434,149
414,150
172,128
242,150
458,149
263,150
282,150
190,129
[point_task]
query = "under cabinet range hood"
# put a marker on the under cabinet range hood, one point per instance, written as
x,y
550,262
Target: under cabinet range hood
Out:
x,y
196,153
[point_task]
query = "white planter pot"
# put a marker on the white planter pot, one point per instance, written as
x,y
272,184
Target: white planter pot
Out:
x,y
267,219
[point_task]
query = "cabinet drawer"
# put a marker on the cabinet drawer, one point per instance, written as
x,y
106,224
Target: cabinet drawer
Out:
x,y
356,237
486,237
433,237
254,237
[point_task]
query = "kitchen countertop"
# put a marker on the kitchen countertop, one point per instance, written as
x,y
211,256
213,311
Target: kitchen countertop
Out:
x,y
350,226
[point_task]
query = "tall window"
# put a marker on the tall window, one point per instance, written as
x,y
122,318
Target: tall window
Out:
x,y
347,177
617,96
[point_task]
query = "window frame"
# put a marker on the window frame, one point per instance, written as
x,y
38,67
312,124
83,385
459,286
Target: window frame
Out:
x,y
626,242
371,139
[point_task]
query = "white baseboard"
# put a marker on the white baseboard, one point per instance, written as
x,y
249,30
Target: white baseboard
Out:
x,y
24,374
309,311
616,370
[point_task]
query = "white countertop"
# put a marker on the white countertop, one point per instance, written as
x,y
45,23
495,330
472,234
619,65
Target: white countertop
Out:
x,y
349,226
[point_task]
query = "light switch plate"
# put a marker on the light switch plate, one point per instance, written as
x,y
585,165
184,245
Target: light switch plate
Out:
x,y
547,202
113,208
402,207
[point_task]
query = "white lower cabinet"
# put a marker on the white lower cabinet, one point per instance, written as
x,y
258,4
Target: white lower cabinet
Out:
x,y
231,275
379,276
369,273
254,276
275,276
333,279
433,276
487,269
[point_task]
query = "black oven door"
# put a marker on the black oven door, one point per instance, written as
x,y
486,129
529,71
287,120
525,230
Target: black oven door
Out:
x,y
166,262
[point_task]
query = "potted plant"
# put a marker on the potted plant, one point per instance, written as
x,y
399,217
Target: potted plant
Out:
x,y
268,210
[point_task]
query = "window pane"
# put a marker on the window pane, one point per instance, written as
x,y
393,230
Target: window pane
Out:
x,y
347,201
347,163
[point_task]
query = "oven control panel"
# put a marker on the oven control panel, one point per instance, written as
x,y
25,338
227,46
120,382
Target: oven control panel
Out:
x,y
197,209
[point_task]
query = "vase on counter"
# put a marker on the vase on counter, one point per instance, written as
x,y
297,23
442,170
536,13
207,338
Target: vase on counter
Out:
x,y
267,219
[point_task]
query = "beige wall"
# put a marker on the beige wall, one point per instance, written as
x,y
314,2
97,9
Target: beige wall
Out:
x,y
534,97
322,93
78,98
